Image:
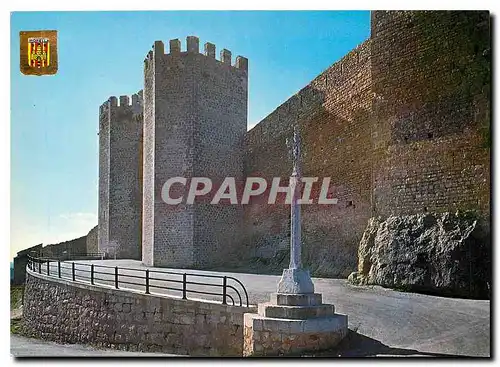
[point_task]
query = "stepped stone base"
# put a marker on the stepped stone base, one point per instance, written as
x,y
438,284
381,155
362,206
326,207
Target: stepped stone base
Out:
x,y
292,324
311,299
266,336
295,312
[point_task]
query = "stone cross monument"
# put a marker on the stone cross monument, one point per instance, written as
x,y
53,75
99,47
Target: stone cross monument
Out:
x,y
296,320
295,280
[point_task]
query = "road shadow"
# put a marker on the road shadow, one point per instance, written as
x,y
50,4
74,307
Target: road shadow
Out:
x,y
358,345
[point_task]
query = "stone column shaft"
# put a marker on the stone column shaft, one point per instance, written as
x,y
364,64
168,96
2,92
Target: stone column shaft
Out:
x,y
295,235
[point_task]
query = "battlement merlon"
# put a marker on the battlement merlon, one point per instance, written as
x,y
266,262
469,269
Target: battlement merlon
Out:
x,y
193,47
175,46
135,100
193,44
241,63
210,50
149,59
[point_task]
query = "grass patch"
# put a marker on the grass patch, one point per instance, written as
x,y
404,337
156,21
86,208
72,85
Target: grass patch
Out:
x,y
15,326
16,296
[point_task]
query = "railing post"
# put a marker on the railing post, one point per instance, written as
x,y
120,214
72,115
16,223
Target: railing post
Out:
x,y
116,277
224,291
40,267
73,271
48,267
184,286
147,281
59,268
92,274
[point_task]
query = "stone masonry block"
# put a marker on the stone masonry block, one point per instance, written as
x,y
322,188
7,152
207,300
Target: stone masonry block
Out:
x,y
326,324
295,312
313,299
193,44
225,56
175,46
210,49
241,63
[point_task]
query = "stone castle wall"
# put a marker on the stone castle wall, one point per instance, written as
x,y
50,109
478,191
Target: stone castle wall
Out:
x,y
66,248
103,196
431,111
68,312
92,241
218,138
195,120
333,115
148,164
20,262
121,191
400,124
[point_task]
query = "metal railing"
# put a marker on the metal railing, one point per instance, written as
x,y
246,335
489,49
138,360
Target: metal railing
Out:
x,y
74,256
222,288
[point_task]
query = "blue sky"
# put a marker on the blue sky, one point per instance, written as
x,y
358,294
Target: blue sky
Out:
x,y
54,119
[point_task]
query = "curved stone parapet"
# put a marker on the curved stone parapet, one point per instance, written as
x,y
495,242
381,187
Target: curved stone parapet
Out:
x,y
73,312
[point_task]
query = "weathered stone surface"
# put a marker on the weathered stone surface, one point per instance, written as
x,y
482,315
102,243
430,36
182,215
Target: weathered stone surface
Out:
x,y
291,337
311,299
92,241
67,312
120,177
399,124
188,135
295,312
446,254
295,281
66,248
353,278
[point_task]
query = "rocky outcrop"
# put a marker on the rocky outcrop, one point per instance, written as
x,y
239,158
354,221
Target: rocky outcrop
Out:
x,y
444,254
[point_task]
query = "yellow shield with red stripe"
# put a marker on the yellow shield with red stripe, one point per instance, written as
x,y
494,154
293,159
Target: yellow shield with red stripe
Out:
x,y
38,52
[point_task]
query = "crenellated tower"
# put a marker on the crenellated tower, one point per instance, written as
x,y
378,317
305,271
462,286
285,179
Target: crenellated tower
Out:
x,y
195,118
120,176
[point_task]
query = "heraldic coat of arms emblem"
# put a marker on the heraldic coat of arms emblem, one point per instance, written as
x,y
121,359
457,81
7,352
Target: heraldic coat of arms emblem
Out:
x,y
38,52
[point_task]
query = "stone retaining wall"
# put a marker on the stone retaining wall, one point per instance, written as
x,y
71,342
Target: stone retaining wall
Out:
x,y
69,312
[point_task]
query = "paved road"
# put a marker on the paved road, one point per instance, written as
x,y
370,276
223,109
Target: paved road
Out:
x,y
389,322
28,347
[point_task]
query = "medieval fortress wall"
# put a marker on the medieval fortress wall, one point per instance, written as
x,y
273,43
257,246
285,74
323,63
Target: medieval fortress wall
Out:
x,y
333,115
194,123
431,112
120,181
399,125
